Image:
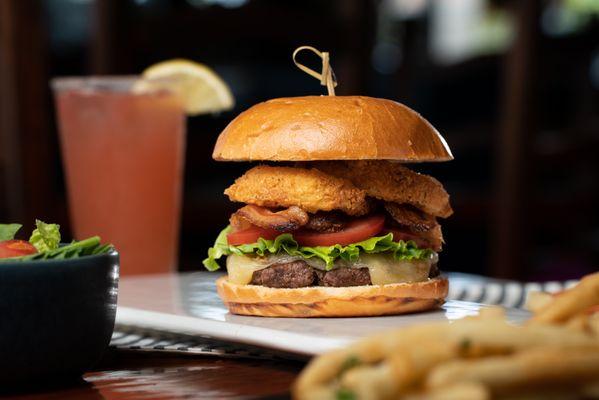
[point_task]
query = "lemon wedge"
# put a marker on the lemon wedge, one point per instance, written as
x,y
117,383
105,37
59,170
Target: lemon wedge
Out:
x,y
201,89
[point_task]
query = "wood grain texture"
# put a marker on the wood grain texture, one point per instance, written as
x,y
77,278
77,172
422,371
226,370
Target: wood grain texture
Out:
x,y
132,375
28,148
514,165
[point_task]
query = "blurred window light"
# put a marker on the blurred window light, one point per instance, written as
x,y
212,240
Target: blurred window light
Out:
x,y
594,69
584,6
386,57
404,9
152,7
463,29
68,22
222,3
387,51
565,17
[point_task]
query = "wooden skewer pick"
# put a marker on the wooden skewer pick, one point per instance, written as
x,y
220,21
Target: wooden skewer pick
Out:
x,y
327,76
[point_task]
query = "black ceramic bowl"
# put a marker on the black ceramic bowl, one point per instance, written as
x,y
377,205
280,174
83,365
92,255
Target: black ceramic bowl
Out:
x,y
56,316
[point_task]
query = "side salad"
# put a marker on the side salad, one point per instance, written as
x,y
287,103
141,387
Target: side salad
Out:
x,y
44,244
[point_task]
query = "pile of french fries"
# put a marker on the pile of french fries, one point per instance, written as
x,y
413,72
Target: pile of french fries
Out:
x,y
555,355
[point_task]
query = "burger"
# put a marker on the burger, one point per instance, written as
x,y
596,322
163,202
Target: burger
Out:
x,y
332,222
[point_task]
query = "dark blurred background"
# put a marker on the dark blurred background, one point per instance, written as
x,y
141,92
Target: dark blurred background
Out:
x,y
512,85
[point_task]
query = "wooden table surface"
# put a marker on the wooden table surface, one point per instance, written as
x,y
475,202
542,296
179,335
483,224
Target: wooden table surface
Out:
x,y
134,375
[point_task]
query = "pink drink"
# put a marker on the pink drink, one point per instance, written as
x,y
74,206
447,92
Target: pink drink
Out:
x,y
123,155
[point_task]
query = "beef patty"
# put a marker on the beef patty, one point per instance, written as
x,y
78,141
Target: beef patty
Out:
x,y
295,274
344,277
299,274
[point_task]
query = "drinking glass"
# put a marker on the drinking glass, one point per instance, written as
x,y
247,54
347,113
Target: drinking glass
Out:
x,y
123,155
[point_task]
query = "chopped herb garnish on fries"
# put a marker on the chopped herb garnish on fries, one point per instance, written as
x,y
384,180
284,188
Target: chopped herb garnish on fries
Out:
x,y
554,355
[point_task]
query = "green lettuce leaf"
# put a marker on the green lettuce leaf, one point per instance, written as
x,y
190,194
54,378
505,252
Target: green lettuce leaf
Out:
x,y
285,243
8,231
45,237
87,247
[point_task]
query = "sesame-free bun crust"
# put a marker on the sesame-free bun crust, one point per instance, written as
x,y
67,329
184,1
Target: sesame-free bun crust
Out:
x,y
318,301
330,128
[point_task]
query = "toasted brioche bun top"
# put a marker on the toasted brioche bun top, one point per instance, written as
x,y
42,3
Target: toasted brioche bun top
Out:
x,y
330,128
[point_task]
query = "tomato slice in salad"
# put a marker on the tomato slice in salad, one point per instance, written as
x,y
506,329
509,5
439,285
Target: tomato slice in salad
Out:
x,y
16,248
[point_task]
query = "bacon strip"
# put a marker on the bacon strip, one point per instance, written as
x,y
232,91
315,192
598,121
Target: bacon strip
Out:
x,y
285,220
427,240
419,224
434,237
331,221
410,217
238,223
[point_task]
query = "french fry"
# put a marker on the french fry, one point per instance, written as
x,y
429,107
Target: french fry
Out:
x,y
494,312
594,324
324,369
528,368
458,391
327,392
555,357
369,382
410,365
494,336
567,394
536,301
578,322
570,302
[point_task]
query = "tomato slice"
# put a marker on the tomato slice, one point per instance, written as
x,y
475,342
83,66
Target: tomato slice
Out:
x,y
353,232
406,236
251,235
16,248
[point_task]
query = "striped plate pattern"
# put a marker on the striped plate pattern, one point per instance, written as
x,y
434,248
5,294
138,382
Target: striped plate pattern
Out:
x,y
500,292
464,287
130,338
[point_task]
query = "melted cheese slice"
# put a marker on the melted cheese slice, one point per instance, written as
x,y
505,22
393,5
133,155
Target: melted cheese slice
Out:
x,y
384,269
241,268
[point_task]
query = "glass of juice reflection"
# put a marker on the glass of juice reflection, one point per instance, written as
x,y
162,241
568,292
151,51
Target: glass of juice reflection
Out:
x,y
123,155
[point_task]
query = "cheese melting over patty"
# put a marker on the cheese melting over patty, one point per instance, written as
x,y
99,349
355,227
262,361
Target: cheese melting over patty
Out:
x,y
383,268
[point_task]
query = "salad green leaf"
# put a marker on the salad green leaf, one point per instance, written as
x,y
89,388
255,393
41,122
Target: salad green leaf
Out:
x,y
285,243
45,237
8,231
87,247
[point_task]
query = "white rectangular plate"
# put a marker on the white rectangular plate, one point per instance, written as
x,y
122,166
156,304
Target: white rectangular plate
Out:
x,y
188,304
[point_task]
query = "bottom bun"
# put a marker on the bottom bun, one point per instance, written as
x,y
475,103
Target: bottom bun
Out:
x,y
320,301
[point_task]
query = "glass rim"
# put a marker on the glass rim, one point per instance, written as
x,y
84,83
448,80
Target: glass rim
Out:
x,y
108,84
95,83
